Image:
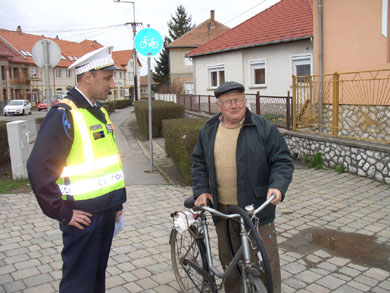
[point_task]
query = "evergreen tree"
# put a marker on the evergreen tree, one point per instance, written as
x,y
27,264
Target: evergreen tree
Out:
x,y
162,68
177,26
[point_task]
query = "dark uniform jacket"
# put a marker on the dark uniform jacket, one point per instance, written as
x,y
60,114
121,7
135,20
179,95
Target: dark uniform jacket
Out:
x,y
48,158
263,161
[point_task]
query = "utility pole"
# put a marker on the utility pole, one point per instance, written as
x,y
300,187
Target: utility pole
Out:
x,y
134,25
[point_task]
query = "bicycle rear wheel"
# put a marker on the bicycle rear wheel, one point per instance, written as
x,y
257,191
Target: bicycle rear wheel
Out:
x,y
185,248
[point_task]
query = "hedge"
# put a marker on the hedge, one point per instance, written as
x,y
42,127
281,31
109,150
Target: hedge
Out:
x,y
123,103
4,148
160,111
180,138
38,122
110,106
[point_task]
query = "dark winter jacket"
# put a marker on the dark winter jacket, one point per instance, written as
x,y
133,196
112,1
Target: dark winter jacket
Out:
x,y
48,158
263,162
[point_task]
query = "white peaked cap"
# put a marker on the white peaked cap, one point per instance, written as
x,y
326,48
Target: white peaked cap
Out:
x,y
100,59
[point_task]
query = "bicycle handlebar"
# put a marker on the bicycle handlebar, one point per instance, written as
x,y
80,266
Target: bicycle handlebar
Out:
x,y
189,203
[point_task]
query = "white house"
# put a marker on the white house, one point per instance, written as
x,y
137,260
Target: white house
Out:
x,y
262,53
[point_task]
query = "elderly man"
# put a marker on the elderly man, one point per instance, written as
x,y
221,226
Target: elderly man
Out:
x,y
240,159
76,173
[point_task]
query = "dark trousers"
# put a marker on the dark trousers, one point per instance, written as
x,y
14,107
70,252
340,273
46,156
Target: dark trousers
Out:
x,y
268,237
85,254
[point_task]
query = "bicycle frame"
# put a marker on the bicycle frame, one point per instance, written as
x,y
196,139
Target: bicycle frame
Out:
x,y
244,250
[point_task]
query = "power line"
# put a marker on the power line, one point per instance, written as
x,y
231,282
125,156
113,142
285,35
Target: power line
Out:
x,y
75,30
245,11
92,34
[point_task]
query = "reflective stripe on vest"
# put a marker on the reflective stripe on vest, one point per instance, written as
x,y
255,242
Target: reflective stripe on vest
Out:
x,y
91,184
98,170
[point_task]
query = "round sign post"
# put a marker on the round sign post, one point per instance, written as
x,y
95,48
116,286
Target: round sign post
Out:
x,y
148,42
46,54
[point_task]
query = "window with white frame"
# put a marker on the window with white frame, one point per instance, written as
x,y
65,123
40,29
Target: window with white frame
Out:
x,y
58,72
187,61
68,73
384,17
257,68
216,75
189,88
301,66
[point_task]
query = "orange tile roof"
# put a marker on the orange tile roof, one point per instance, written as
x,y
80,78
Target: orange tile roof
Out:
x,y
122,57
204,32
25,42
11,54
285,21
144,80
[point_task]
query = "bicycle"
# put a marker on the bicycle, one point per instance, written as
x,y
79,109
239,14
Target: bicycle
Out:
x,y
191,251
150,43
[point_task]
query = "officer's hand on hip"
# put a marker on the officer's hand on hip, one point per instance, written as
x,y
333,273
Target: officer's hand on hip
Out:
x,y
80,218
202,199
277,193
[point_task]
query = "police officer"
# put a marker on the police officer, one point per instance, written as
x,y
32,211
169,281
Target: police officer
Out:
x,y
76,173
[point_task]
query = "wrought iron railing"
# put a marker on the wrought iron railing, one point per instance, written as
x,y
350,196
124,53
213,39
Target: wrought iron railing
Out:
x,y
352,104
277,109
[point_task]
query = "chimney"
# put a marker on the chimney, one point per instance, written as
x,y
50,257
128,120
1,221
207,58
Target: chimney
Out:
x,y
19,29
212,19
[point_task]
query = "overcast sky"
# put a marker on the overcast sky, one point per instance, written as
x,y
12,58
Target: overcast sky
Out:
x,y
103,20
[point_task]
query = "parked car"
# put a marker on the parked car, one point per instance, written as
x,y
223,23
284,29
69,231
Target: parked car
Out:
x,y
17,107
43,104
58,97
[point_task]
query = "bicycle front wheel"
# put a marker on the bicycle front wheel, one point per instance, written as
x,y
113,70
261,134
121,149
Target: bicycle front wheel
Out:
x,y
186,249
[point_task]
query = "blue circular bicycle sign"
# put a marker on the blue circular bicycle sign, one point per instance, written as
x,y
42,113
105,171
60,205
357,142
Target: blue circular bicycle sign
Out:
x,y
148,42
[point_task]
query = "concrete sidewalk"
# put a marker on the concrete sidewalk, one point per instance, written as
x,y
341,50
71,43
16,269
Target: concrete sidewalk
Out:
x,y
334,232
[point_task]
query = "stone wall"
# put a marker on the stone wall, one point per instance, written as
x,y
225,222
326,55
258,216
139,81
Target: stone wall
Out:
x,y
364,121
363,158
367,159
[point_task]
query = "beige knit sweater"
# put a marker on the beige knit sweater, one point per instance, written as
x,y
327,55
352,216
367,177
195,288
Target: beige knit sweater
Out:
x,y
225,163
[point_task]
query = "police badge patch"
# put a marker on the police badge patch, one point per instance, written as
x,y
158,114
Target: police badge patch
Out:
x,y
95,127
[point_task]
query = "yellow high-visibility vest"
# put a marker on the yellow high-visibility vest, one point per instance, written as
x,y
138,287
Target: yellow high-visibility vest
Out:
x,y
93,166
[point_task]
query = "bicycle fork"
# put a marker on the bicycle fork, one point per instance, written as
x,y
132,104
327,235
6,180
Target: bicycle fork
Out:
x,y
246,254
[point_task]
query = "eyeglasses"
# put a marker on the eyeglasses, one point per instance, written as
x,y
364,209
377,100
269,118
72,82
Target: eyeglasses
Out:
x,y
228,103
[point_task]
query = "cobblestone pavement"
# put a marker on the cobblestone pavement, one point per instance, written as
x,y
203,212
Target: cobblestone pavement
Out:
x,y
140,259
333,234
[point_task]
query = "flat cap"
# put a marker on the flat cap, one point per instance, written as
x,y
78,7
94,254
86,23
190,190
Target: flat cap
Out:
x,y
227,87
100,59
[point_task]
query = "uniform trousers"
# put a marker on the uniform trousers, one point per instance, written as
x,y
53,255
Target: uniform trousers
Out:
x,y
85,254
268,237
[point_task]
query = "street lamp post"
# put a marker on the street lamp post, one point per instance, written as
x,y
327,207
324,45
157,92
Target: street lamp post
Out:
x,y
134,25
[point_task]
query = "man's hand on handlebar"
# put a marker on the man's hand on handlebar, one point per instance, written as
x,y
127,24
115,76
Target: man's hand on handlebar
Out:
x,y
201,200
277,193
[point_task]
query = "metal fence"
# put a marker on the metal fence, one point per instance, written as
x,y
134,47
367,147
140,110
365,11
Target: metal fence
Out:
x,y
353,104
277,109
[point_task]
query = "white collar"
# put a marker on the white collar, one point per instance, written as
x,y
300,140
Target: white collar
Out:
x,y
92,105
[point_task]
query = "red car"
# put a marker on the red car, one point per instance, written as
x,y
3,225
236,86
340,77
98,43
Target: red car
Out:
x,y
43,105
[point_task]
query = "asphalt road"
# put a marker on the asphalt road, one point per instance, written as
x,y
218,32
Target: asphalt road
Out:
x,y
29,118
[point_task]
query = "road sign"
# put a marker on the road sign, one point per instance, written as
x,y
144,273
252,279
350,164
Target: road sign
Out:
x,y
38,53
148,42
